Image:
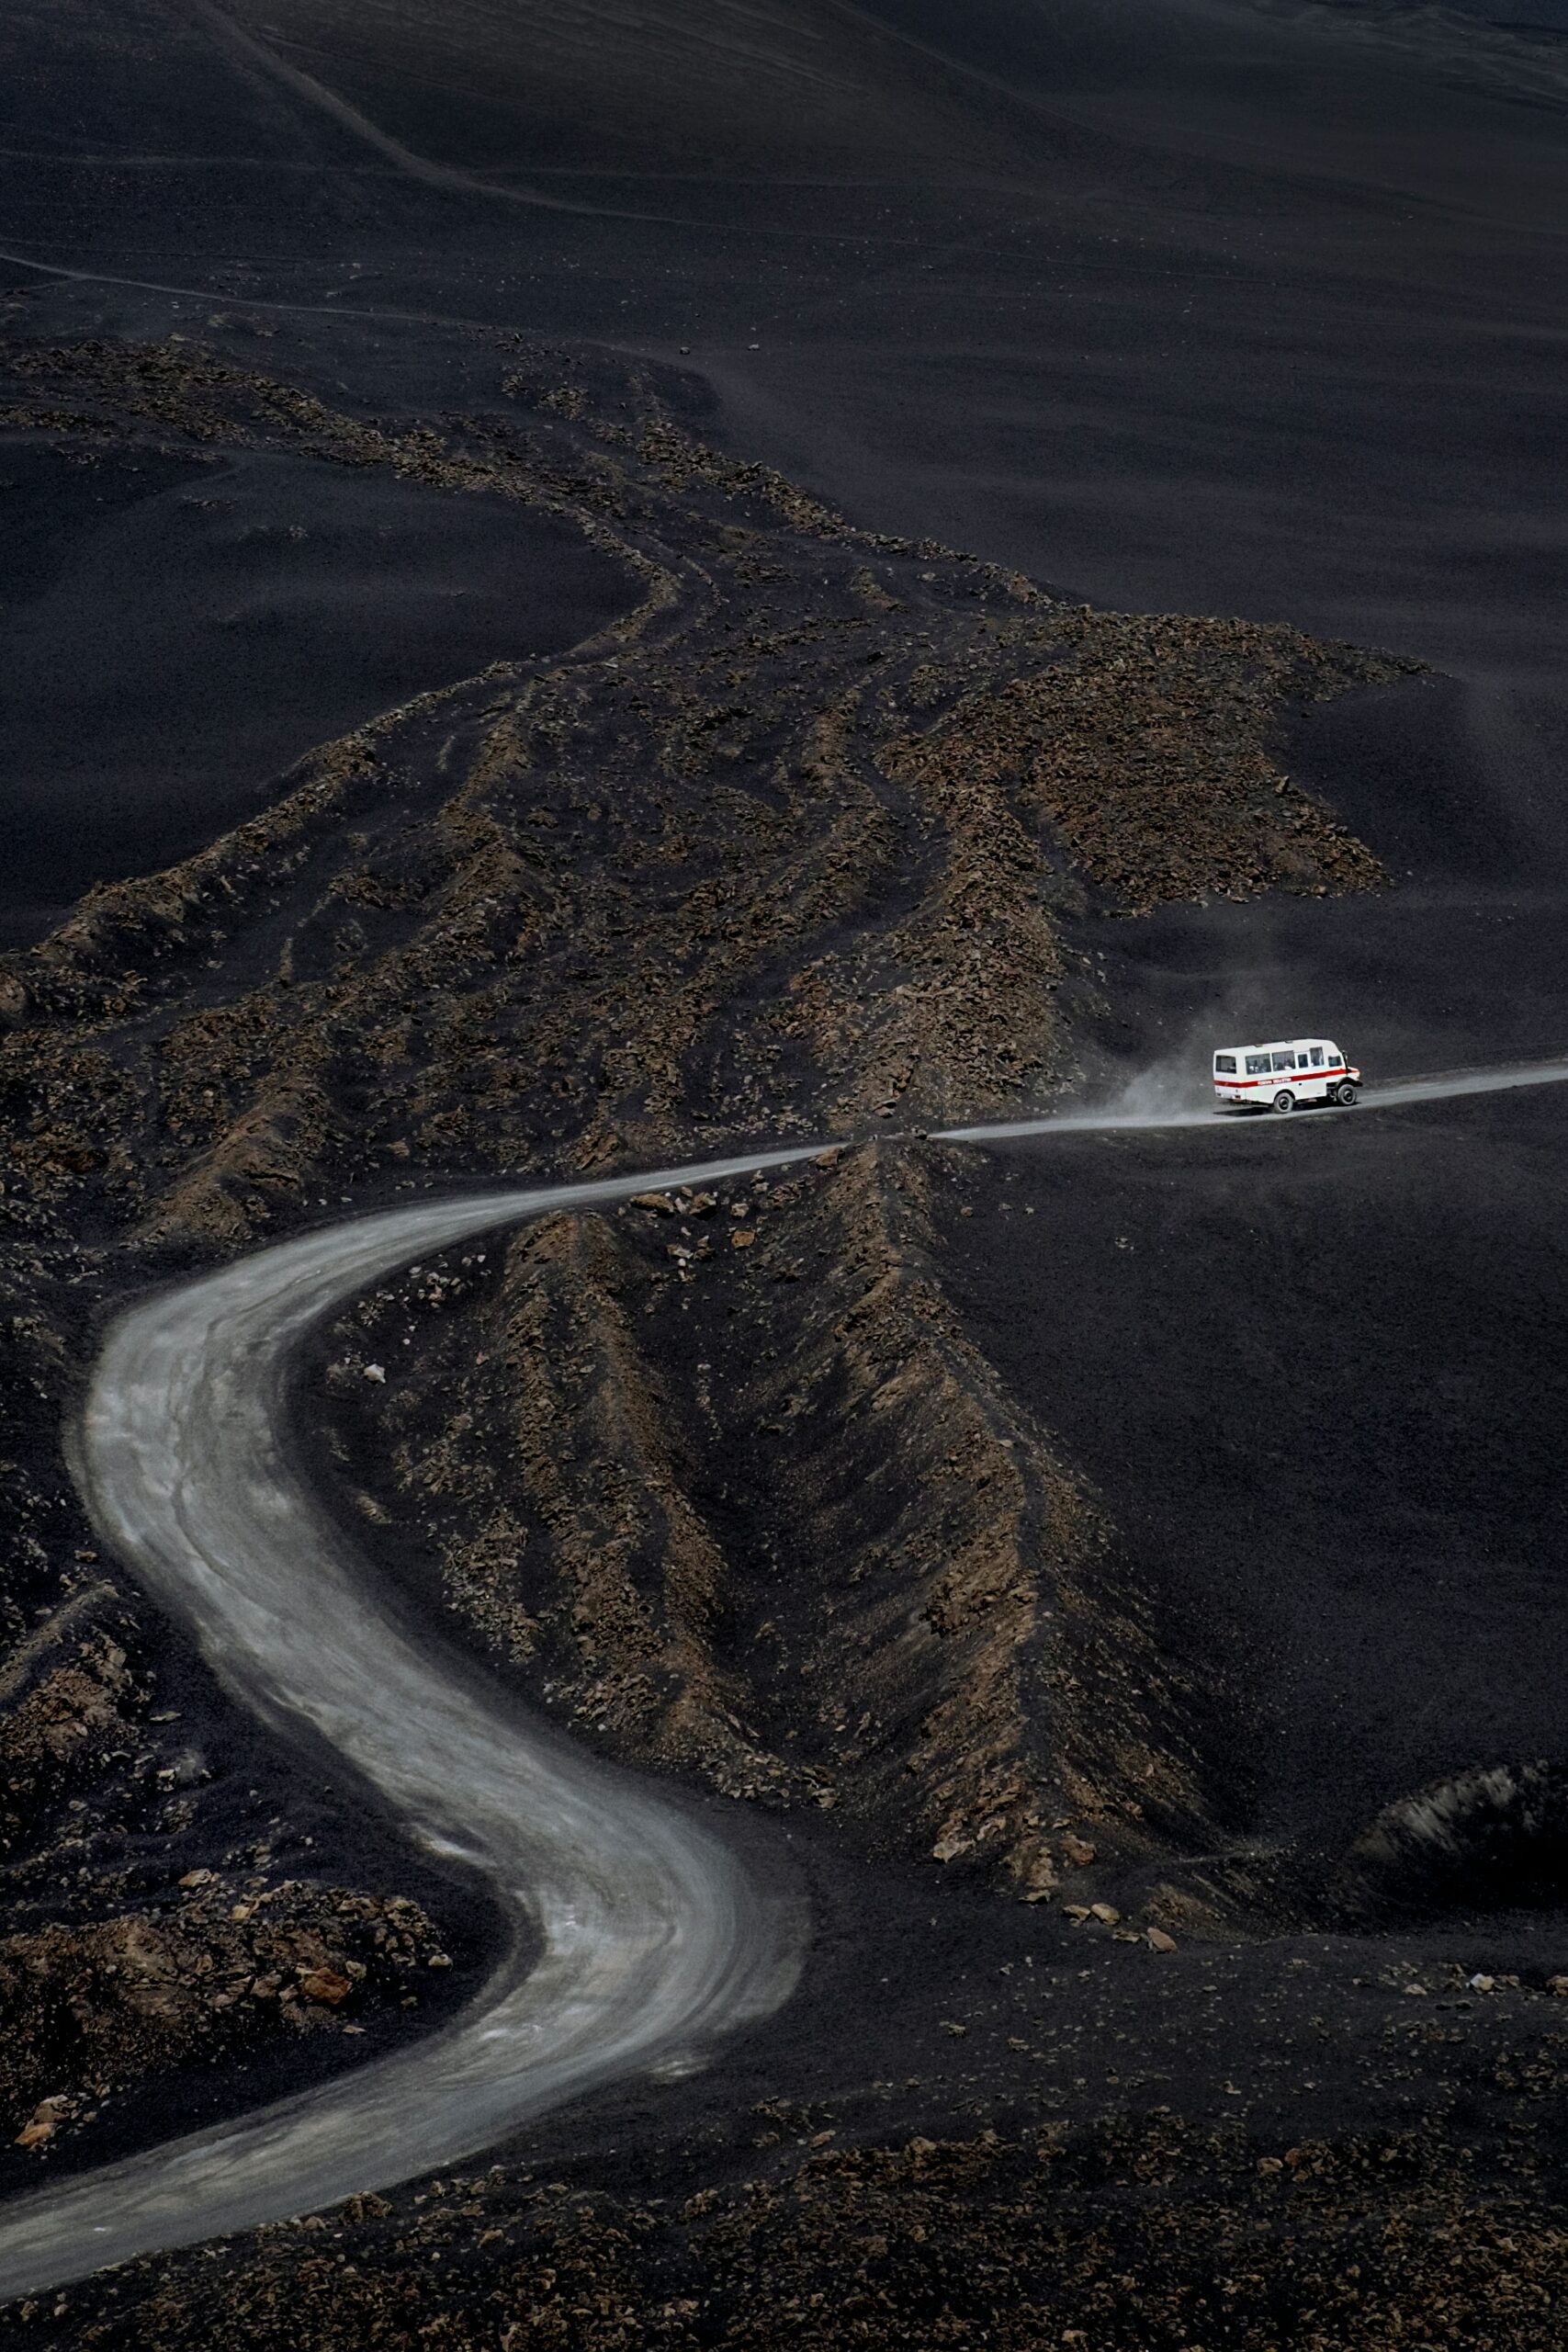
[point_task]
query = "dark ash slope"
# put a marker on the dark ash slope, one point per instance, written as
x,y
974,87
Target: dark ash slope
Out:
x,y
1200,309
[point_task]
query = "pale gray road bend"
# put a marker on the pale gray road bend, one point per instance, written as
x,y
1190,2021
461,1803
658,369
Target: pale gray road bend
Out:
x,y
637,1933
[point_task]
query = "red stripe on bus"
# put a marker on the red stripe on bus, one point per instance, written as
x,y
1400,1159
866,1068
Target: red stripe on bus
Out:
x,y
1292,1078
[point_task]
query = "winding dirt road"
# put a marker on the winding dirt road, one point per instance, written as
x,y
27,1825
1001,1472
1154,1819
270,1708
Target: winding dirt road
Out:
x,y
636,1934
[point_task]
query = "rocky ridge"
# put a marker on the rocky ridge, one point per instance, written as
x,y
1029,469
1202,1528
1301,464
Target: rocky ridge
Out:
x,y
794,846
789,847
721,1477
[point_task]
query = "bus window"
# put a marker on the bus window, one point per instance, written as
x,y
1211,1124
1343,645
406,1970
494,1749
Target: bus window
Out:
x,y
1317,1057
1257,1065
1284,1061
1225,1062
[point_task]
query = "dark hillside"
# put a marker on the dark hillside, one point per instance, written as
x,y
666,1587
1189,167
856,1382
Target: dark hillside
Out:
x,y
585,585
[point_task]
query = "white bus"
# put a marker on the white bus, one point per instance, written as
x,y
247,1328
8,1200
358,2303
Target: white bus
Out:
x,y
1276,1077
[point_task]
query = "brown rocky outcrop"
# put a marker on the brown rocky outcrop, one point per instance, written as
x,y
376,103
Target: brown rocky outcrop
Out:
x,y
93,2008
722,1478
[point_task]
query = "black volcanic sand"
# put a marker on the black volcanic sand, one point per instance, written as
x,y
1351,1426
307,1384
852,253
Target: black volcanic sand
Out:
x,y
1195,308
1316,1368
175,634
1317,1377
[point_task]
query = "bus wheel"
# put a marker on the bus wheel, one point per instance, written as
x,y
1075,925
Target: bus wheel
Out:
x,y
1284,1099
1345,1094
